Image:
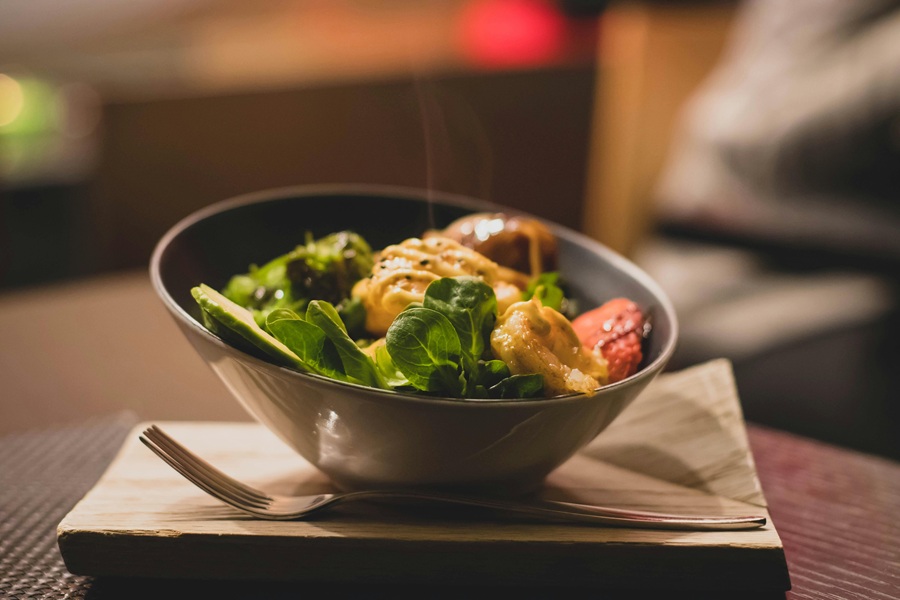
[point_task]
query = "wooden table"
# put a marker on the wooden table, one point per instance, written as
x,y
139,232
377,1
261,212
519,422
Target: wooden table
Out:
x,y
836,513
78,355
833,508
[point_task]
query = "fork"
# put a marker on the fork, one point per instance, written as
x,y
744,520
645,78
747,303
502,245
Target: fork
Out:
x,y
283,508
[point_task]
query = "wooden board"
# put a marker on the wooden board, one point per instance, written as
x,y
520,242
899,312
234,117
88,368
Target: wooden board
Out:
x,y
681,447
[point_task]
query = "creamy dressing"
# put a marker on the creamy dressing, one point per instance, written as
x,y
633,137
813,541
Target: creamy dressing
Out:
x,y
532,338
403,271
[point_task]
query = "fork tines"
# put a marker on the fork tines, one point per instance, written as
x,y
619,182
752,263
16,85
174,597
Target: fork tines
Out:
x,y
201,473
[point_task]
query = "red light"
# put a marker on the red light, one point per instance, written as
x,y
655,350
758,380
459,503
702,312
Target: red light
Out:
x,y
498,33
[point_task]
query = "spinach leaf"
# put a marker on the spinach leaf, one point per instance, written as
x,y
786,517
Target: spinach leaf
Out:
x,y
519,386
307,341
425,347
491,372
471,306
322,343
438,346
495,381
390,373
485,375
546,287
357,366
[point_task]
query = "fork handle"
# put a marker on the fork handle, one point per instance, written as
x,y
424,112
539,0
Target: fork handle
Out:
x,y
585,513
650,520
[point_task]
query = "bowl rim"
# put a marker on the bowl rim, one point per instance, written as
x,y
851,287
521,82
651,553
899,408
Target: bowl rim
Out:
x,y
419,195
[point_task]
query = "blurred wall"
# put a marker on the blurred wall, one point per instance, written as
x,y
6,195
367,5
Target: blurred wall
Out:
x,y
518,138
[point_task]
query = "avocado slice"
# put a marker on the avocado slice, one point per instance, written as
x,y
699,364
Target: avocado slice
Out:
x,y
236,325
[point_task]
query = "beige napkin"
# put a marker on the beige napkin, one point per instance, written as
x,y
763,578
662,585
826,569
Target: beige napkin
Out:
x,y
685,432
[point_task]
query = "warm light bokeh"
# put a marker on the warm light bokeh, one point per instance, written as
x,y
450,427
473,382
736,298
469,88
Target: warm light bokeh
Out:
x,y
11,100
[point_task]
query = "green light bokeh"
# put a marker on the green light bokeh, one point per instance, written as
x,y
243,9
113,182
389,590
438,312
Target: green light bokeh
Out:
x,y
40,111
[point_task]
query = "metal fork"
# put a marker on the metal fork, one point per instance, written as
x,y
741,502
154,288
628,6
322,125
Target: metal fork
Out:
x,y
283,508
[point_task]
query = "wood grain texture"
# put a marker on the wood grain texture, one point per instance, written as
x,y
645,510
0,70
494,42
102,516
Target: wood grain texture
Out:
x,y
837,511
681,447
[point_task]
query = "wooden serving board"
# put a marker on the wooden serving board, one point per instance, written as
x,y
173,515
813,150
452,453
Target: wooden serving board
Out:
x,y
680,447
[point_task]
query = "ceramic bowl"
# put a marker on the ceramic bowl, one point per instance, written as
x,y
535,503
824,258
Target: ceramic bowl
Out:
x,y
367,438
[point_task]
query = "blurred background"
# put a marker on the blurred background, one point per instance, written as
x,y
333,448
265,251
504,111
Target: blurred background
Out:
x,y
746,154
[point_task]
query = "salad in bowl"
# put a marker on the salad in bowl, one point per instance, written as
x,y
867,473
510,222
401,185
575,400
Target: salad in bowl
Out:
x,y
448,314
404,338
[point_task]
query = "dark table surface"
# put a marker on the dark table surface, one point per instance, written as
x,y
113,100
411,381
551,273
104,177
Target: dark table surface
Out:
x,y
834,509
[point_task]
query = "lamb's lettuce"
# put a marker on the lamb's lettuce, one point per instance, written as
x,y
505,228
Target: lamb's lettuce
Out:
x,y
547,288
426,348
471,307
307,341
321,341
491,372
440,346
389,371
519,386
